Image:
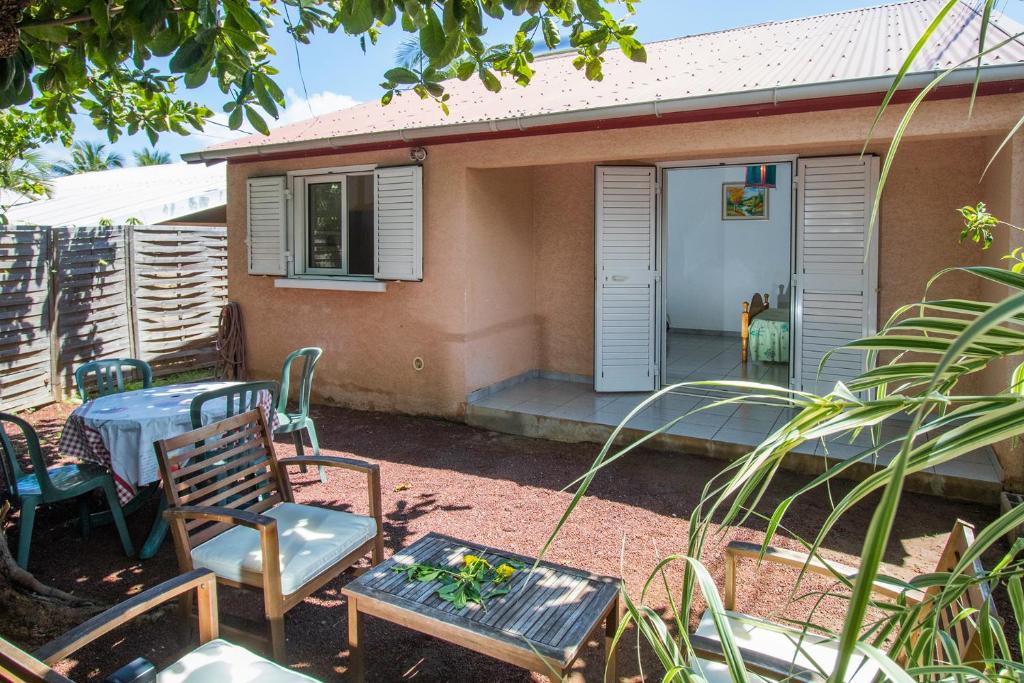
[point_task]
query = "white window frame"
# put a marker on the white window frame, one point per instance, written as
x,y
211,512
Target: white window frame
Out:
x,y
298,195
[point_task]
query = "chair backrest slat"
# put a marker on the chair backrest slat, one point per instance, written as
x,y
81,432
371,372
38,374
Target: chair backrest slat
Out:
x,y
208,446
227,464
108,375
237,457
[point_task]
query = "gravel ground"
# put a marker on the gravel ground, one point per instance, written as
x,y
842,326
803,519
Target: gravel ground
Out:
x,y
482,486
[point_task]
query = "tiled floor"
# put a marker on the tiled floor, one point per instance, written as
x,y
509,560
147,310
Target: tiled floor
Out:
x,y
707,356
737,424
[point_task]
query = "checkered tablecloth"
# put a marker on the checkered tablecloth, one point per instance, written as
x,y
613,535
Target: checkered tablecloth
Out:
x,y
118,431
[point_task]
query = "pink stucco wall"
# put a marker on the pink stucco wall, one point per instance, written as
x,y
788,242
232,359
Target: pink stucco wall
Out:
x,y
509,258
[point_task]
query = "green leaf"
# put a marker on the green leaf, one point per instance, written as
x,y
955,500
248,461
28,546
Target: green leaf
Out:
x,y
490,81
256,121
552,34
432,36
356,16
188,55
401,75
633,49
247,20
51,34
465,70
474,22
235,118
592,10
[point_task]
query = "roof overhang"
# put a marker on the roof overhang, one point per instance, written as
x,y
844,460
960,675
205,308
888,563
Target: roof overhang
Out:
x,y
995,79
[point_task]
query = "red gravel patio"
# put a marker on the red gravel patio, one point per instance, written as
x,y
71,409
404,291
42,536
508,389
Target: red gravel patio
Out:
x,y
499,490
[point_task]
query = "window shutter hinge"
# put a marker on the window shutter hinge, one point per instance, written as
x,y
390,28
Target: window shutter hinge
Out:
x,y
657,187
288,195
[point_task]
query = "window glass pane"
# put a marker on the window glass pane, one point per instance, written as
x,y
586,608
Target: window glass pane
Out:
x,y
360,224
324,226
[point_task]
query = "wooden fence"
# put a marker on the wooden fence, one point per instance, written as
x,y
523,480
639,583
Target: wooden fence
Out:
x,y
69,295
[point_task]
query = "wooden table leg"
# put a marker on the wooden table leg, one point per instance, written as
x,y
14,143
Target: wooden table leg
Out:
x,y
355,651
611,625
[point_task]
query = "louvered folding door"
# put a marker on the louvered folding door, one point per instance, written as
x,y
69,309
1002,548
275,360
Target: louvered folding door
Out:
x,y
834,286
625,292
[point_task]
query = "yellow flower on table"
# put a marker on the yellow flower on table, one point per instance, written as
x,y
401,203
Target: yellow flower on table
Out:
x,y
472,560
504,571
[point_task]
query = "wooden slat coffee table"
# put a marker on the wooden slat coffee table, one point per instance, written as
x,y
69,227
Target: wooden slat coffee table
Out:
x,y
541,625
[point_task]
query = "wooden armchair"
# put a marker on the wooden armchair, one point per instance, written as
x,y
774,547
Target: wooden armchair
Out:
x,y
773,652
231,510
214,659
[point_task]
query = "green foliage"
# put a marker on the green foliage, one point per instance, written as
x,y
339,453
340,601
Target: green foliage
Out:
x,y
929,421
475,582
151,157
87,157
107,59
978,224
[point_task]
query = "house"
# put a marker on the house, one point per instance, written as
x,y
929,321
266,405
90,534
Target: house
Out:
x,y
587,232
165,194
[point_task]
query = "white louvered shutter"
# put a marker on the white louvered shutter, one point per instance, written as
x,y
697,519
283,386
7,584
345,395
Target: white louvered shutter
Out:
x,y
266,225
625,291
834,286
398,223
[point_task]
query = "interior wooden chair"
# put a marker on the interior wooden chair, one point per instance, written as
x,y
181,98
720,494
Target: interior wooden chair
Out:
x,y
214,661
295,421
231,510
774,652
45,486
108,376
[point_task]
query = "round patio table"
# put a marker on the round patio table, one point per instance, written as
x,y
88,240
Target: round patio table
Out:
x,y
118,431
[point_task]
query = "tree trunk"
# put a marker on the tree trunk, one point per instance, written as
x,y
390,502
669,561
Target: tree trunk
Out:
x,y
32,613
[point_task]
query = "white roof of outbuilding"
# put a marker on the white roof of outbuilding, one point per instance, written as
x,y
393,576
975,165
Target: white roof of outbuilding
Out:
x,y
151,194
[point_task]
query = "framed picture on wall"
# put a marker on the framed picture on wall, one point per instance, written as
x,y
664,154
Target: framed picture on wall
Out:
x,y
742,203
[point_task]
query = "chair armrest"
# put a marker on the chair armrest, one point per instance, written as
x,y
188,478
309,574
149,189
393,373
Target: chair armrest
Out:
x,y
219,514
755,662
266,527
330,461
203,581
372,472
890,588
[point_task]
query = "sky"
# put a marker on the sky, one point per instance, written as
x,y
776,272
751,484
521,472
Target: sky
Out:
x,y
335,73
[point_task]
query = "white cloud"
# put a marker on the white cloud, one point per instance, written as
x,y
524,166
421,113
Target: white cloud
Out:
x,y
298,109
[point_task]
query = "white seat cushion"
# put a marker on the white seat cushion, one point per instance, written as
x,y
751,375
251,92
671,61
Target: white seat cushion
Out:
x,y
218,661
808,651
310,539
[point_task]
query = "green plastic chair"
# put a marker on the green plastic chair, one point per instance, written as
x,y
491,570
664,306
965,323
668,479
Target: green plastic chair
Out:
x,y
238,399
109,375
294,422
46,486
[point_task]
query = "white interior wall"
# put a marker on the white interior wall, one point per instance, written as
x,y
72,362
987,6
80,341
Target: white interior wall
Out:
x,y
713,265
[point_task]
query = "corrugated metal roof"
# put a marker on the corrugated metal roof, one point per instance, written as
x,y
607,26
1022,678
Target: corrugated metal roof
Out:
x,y
830,48
152,194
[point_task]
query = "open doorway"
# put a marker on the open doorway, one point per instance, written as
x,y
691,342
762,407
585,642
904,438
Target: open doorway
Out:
x,y
728,244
